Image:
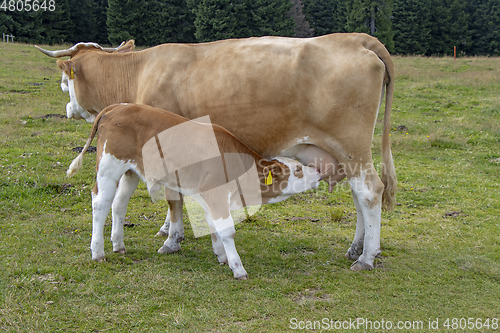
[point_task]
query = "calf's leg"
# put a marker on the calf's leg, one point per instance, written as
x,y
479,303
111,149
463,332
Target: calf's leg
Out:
x,y
102,197
127,185
176,229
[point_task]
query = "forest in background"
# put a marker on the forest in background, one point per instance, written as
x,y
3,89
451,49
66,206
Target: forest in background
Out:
x,y
407,27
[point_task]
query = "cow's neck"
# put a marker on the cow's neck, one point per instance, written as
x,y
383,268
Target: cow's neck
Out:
x,y
117,79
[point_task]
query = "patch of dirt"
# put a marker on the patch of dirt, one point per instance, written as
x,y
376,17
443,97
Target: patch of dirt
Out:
x,y
402,128
455,214
91,149
495,160
296,218
52,115
310,296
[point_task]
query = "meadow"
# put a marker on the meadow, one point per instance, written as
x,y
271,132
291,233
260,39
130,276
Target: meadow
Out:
x,y
440,264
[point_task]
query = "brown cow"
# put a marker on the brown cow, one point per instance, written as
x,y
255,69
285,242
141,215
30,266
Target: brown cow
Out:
x,y
130,138
314,99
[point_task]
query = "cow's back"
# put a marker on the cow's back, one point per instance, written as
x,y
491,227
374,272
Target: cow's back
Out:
x,y
271,91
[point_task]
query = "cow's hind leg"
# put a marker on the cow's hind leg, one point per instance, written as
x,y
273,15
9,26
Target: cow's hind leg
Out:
x,y
356,248
126,187
176,229
367,190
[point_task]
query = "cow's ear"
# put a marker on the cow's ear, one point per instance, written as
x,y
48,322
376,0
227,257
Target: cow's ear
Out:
x,y
128,47
66,66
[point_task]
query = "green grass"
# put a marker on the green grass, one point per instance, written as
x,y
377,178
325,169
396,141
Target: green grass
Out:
x,y
432,266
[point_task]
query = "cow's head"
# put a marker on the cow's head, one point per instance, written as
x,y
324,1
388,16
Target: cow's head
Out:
x,y
71,69
284,177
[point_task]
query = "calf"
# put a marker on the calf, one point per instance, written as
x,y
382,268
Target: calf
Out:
x,y
186,157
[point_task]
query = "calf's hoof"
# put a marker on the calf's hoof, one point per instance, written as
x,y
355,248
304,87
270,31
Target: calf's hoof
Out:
x,y
121,251
167,249
360,266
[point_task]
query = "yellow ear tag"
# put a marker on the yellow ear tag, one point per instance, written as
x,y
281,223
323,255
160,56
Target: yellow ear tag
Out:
x,y
269,179
72,74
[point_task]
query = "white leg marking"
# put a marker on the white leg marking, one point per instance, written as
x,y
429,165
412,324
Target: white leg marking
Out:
x,y
217,244
100,208
225,230
109,173
356,248
370,206
126,187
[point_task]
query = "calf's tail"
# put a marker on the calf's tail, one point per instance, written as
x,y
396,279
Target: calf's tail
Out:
x,y
78,161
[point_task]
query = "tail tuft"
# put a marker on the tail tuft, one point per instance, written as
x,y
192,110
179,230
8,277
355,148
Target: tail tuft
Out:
x,y
75,166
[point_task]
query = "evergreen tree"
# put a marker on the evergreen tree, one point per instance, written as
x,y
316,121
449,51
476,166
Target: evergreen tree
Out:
x,y
100,14
488,34
326,16
302,26
219,19
268,18
412,31
372,17
449,26
56,24
121,20
83,19
165,22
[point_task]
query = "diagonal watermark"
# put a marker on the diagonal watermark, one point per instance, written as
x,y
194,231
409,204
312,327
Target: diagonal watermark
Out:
x,y
187,158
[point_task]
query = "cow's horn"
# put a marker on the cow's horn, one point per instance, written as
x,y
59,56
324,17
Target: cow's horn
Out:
x,y
113,49
55,54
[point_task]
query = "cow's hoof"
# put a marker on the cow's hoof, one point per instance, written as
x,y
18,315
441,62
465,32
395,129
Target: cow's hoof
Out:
x,y
353,253
121,251
243,277
360,266
161,234
99,259
167,249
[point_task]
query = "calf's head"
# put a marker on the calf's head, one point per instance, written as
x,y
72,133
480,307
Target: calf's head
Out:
x,y
283,177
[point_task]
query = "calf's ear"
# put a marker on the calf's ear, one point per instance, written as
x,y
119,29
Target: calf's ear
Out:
x,y
276,169
66,66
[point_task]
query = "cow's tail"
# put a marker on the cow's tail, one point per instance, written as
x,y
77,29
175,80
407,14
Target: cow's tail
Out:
x,y
388,171
78,161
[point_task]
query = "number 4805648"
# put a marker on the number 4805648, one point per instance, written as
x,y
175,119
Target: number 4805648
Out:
x,y
27,5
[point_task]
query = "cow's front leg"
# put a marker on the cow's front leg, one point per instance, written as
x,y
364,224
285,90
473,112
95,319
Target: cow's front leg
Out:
x,y
126,187
368,188
176,229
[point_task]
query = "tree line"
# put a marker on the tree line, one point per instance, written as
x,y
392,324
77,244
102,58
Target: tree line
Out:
x,y
425,27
